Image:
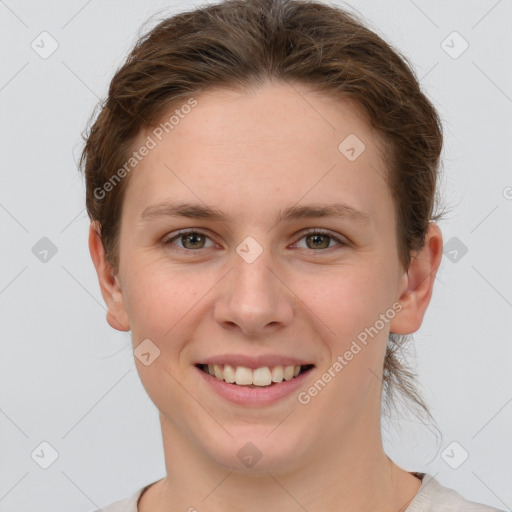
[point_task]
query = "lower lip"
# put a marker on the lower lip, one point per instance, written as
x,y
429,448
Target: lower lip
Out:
x,y
243,395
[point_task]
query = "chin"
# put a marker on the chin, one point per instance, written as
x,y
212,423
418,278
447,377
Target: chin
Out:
x,y
253,450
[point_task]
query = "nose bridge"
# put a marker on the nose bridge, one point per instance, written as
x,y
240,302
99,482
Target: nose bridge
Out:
x,y
253,278
253,297
253,287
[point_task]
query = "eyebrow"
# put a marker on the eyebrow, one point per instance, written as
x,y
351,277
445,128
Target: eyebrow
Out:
x,y
203,212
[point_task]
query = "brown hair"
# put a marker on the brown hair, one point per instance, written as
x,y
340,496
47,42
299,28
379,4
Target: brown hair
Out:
x,y
243,43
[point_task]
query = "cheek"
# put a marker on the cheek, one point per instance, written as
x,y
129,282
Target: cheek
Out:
x,y
168,310
350,307
348,301
158,299
161,310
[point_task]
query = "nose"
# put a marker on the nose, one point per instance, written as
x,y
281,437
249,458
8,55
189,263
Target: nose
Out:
x,y
254,298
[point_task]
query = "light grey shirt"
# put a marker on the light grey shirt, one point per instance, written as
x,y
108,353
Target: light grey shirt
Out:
x,y
431,497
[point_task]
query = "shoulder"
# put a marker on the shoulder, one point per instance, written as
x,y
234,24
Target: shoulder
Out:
x,y
128,504
434,497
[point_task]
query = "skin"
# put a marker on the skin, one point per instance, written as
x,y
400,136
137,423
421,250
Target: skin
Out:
x,y
251,154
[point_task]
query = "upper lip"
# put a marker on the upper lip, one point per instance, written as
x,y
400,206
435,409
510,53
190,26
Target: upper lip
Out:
x,y
254,362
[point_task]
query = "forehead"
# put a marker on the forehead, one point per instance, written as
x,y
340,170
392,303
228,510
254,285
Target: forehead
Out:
x,y
279,141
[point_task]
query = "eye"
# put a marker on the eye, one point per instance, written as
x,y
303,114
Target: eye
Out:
x,y
190,240
319,239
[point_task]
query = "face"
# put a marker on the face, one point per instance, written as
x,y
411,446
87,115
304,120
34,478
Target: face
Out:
x,y
237,247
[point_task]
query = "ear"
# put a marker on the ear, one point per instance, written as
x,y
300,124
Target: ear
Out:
x,y
417,283
109,283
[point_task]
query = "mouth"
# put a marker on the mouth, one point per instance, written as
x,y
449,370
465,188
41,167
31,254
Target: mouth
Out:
x,y
262,377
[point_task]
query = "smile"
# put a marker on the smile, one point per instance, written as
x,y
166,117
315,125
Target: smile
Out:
x,y
264,376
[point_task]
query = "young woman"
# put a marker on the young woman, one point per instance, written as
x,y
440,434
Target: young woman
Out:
x,y
261,182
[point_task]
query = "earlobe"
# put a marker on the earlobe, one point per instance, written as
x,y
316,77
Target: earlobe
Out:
x,y
418,283
109,283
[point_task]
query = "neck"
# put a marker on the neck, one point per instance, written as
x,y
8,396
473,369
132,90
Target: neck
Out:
x,y
355,475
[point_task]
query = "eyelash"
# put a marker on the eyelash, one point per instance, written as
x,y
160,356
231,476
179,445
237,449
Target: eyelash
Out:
x,y
168,242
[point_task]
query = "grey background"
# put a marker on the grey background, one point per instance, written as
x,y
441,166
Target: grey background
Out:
x,y
68,379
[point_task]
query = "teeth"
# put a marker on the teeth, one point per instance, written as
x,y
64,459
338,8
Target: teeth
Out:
x,y
288,372
277,374
229,374
217,371
243,376
262,377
